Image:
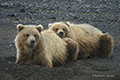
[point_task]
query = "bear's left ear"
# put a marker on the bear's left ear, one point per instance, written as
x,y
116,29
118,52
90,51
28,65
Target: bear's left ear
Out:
x,y
39,28
49,25
20,27
67,23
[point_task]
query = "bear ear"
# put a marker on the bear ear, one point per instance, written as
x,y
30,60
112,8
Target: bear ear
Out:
x,y
67,23
39,28
49,25
20,27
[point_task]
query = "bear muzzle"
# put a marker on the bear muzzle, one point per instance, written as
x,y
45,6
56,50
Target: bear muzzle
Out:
x,y
32,42
61,33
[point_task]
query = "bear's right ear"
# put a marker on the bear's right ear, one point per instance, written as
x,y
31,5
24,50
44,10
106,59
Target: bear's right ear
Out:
x,y
39,28
20,27
49,25
67,23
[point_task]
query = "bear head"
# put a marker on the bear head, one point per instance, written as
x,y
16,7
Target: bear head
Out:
x,y
29,35
60,28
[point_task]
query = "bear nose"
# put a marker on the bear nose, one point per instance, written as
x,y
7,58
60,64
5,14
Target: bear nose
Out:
x,y
61,33
32,42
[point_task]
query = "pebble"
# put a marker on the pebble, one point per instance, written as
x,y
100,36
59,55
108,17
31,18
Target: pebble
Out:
x,y
22,10
5,38
7,69
52,17
10,45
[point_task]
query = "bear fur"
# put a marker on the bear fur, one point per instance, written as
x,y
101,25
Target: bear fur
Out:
x,y
91,41
73,48
37,47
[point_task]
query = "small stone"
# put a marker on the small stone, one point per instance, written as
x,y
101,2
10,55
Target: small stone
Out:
x,y
12,15
9,62
76,17
22,10
5,38
52,17
80,18
10,45
6,69
97,11
16,18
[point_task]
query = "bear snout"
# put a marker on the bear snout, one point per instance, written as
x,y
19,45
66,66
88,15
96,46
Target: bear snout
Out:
x,y
61,33
32,42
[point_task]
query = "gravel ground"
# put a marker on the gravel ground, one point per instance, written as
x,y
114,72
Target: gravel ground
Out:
x,y
103,14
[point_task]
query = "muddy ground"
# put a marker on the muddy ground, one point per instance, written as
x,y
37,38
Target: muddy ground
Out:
x,y
103,14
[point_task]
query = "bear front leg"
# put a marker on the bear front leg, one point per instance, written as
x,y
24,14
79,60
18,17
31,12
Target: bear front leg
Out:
x,y
43,61
20,57
73,48
46,63
106,46
28,62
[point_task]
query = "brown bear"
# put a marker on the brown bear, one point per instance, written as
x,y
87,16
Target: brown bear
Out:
x,y
92,42
37,47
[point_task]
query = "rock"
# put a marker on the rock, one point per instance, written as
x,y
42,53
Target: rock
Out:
x,y
22,10
52,17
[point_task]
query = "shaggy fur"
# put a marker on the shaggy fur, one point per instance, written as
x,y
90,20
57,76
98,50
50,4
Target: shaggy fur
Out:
x,y
43,48
73,48
89,38
48,47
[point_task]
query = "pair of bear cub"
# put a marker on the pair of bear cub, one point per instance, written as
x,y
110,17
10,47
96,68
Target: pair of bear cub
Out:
x,y
63,41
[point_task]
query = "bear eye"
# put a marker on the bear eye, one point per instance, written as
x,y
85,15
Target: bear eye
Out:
x,y
57,29
63,29
35,35
27,35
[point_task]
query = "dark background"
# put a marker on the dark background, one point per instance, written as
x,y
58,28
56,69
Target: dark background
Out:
x,y
103,14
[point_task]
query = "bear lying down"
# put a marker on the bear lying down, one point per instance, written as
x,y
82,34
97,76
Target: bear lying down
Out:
x,y
37,47
91,41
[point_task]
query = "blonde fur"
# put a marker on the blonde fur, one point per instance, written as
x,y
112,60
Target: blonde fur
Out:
x,y
88,38
48,49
